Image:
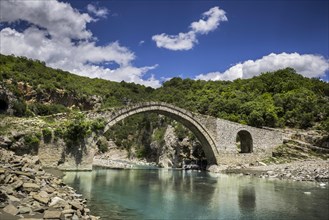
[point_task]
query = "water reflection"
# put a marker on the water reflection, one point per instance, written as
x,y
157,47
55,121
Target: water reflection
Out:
x,y
169,194
247,199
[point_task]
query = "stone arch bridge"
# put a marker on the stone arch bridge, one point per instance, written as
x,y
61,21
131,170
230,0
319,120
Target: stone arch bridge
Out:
x,y
218,137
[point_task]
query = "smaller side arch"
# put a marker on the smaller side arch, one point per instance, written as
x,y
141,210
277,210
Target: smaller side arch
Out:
x,y
246,142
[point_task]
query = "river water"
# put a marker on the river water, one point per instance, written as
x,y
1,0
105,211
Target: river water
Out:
x,y
176,194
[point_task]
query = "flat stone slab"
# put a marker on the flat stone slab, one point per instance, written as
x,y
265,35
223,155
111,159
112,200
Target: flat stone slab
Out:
x,y
10,209
13,198
17,184
22,173
68,211
52,214
25,210
41,199
76,205
31,186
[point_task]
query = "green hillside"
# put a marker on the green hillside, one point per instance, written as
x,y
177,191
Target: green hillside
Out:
x,y
275,99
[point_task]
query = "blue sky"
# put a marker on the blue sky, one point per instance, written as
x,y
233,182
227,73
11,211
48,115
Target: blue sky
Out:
x,y
148,42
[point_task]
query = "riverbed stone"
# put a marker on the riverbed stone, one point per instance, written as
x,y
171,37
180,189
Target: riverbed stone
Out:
x,y
8,179
31,187
24,210
41,199
49,189
56,200
24,174
43,194
11,209
13,198
68,211
76,205
18,183
52,214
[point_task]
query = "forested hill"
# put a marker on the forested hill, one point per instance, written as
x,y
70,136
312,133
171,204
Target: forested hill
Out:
x,y
275,99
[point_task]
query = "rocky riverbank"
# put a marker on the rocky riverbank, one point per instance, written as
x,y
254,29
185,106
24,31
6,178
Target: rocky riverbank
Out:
x,y
118,159
305,170
123,164
28,192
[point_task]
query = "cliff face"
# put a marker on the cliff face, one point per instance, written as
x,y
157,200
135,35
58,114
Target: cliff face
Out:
x,y
175,153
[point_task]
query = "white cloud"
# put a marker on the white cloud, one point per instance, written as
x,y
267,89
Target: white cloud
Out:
x,y
213,17
182,41
58,18
99,12
186,41
308,65
50,37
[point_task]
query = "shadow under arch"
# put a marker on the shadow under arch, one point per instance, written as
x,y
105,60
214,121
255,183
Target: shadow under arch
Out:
x,y
3,105
181,115
246,143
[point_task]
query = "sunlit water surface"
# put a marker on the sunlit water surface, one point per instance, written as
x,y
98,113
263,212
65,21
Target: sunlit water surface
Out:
x,y
174,194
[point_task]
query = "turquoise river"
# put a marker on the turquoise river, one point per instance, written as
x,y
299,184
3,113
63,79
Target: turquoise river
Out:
x,y
176,194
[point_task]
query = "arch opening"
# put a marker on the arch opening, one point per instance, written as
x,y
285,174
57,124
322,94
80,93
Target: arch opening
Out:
x,y
156,139
180,115
244,142
3,106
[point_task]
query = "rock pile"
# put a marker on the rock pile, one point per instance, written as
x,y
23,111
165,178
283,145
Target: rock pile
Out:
x,y
27,191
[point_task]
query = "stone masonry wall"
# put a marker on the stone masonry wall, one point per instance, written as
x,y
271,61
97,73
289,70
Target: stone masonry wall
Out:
x,y
263,139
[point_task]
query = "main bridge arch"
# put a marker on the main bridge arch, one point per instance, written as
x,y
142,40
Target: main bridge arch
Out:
x,y
183,116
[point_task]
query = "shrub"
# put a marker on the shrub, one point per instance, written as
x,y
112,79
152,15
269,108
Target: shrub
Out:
x,y
76,131
42,109
102,146
158,134
47,135
31,141
19,108
181,132
58,133
97,125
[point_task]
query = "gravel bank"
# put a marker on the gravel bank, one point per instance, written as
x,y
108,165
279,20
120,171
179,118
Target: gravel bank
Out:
x,y
306,170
